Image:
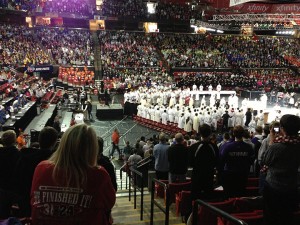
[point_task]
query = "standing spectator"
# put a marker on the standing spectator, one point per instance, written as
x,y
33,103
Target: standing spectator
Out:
x,y
225,140
106,163
281,162
56,124
134,159
203,160
160,153
21,142
115,138
72,173
9,156
89,110
261,153
127,151
248,117
29,159
225,118
178,160
236,159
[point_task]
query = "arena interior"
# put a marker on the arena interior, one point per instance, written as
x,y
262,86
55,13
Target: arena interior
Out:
x,y
157,81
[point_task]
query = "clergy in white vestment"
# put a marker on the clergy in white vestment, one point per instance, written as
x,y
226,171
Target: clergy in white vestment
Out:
x,y
203,102
196,123
188,125
201,87
181,121
164,117
157,116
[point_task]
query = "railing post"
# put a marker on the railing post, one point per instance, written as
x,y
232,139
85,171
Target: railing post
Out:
x,y
195,214
134,184
167,207
142,198
129,189
121,178
152,203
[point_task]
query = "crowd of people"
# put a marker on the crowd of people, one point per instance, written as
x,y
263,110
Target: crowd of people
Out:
x,y
26,5
228,161
186,50
127,49
67,47
75,76
224,51
132,8
82,8
18,47
176,11
228,80
261,52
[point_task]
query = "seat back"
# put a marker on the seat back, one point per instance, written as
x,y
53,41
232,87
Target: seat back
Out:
x,y
207,217
250,219
245,204
175,188
183,203
159,190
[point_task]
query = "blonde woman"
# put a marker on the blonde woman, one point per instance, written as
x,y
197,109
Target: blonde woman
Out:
x,y
69,188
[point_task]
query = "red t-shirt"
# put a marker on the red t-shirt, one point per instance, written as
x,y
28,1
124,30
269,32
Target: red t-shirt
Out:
x,y
55,204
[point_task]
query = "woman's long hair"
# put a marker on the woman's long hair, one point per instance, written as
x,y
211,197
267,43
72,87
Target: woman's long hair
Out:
x,y
76,153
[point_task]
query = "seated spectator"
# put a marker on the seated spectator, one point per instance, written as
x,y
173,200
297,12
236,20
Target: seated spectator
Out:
x,y
72,171
26,52
68,6
29,159
133,8
9,156
68,47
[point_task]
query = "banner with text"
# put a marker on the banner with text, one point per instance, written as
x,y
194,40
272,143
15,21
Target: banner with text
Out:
x,y
40,68
238,2
268,8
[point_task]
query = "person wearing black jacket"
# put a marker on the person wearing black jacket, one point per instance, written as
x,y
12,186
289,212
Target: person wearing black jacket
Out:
x,y
106,163
203,158
29,159
178,160
248,117
9,156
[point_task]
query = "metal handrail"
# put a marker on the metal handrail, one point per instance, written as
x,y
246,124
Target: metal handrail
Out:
x,y
135,174
165,209
215,210
145,163
144,160
121,170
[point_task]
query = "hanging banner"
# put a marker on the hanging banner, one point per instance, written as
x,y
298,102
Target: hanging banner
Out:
x,y
267,8
40,68
238,2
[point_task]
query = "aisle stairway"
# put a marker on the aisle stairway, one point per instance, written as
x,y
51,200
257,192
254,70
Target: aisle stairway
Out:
x,y
124,213
97,55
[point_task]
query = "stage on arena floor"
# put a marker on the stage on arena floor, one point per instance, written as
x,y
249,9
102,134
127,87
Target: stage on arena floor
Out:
x,y
113,111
